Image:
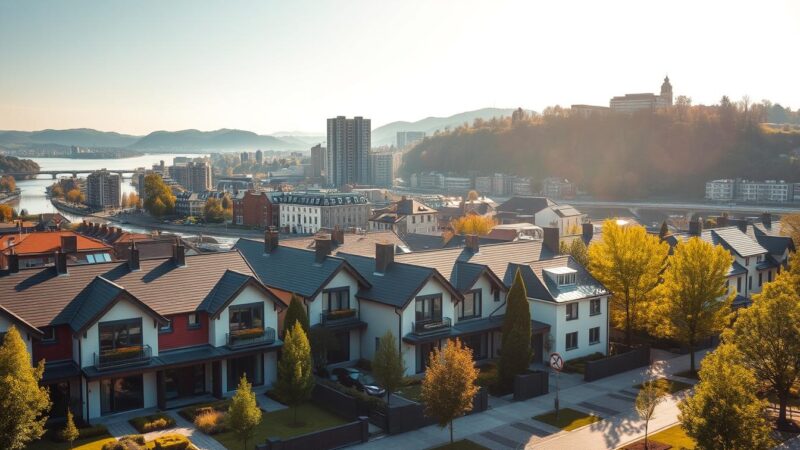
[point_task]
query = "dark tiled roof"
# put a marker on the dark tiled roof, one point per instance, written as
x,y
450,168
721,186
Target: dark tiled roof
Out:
x,y
465,275
775,245
230,283
292,269
95,298
60,370
539,285
734,240
768,263
736,269
354,243
525,205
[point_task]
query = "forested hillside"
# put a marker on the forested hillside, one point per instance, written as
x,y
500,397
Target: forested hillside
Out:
x,y
668,153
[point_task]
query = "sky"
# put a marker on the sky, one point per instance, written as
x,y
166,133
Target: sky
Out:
x,y
268,66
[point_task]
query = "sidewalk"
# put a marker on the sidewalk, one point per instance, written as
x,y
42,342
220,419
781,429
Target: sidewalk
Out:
x,y
511,426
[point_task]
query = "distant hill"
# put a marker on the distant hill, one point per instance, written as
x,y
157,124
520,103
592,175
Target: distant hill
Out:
x,y
387,134
82,137
224,139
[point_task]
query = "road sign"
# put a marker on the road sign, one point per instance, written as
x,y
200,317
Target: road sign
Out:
x,y
556,362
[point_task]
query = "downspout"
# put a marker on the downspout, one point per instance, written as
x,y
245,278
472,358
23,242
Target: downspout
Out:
x,y
399,332
86,383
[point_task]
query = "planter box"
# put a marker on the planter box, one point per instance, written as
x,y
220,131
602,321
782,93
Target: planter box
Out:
x,y
532,384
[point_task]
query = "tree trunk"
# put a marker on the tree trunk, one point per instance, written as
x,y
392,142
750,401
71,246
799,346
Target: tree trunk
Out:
x,y
628,324
782,401
691,359
451,431
646,424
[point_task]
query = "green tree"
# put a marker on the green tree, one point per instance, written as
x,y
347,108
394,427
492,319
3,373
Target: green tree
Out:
x,y
158,198
70,432
768,336
724,412
244,414
23,402
515,354
693,303
650,395
296,312
449,384
213,212
295,377
628,261
577,249
388,366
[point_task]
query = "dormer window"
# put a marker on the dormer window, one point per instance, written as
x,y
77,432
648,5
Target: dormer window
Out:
x,y
562,276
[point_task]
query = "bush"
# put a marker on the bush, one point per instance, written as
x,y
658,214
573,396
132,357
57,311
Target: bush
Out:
x,y
172,442
487,375
578,365
191,412
83,433
210,421
132,442
152,422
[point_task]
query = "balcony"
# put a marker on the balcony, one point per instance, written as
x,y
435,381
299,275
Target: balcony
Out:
x,y
249,337
431,326
123,357
338,316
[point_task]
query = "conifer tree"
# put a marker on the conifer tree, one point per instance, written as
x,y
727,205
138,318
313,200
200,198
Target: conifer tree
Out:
x,y
295,377
24,404
244,414
515,354
70,432
296,312
388,366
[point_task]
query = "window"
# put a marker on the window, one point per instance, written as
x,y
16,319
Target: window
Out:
x,y
120,334
429,308
566,278
594,335
49,335
747,261
121,394
245,317
769,276
572,311
594,307
413,219
572,340
739,285
471,306
166,328
760,279
337,298
497,295
252,367
194,320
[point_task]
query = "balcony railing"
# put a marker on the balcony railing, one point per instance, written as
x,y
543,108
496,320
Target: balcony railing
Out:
x,y
337,316
122,357
250,337
431,325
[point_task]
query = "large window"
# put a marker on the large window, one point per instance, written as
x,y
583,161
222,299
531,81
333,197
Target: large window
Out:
x,y
594,307
339,348
185,381
572,340
251,366
120,334
478,344
471,306
572,311
245,317
594,335
59,395
337,298
429,308
121,394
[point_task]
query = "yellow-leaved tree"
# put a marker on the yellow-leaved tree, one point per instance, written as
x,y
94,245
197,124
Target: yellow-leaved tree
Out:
x,y
693,303
629,262
473,224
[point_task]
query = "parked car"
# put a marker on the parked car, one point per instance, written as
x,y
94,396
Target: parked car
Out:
x,y
354,378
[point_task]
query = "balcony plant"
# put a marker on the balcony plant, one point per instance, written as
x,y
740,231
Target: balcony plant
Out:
x,y
122,353
247,333
340,314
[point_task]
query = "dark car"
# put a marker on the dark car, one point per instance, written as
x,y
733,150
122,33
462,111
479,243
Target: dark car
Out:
x,y
356,379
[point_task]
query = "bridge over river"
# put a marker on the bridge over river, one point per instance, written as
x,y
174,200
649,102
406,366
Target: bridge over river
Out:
x,y
125,173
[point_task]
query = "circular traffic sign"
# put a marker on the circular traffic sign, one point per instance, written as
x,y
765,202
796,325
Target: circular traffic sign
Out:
x,y
556,362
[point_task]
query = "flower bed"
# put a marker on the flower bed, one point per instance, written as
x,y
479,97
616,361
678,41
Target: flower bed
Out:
x,y
154,422
340,314
191,412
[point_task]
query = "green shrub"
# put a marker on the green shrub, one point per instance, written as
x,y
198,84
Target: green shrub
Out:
x,y
126,443
578,365
85,433
154,422
273,394
487,375
138,438
171,442
191,412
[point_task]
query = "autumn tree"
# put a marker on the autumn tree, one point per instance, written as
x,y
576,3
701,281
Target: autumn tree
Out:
x,y
628,261
295,377
388,366
8,183
70,432
56,191
243,413
515,354
6,213
693,303
768,336
449,384
75,196
124,202
650,395
134,201
213,212
577,249
790,226
159,200
724,411
473,224
472,196
24,403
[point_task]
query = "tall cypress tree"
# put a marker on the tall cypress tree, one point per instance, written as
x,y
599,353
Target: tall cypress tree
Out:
x,y
295,380
515,356
296,313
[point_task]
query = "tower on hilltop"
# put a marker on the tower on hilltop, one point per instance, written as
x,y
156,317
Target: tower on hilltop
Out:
x,y
666,90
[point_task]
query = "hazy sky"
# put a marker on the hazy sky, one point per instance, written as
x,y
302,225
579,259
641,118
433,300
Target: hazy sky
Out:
x,y
267,66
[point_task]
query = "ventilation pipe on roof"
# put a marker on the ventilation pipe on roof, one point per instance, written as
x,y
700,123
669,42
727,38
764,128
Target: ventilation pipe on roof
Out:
x,y
322,247
61,263
179,254
69,244
766,219
271,240
13,263
588,231
696,226
472,243
133,259
552,239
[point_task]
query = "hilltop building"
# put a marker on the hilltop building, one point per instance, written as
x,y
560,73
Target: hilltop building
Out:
x,y
629,103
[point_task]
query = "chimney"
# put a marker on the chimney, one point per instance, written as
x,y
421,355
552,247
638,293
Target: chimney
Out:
x,y
61,263
696,226
588,231
551,239
337,235
133,258
384,256
471,242
104,229
322,247
270,240
13,263
69,244
766,219
722,221
179,254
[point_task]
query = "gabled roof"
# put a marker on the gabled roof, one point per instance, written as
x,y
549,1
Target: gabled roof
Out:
x,y
293,269
40,242
354,243
20,321
525,204
734,240
775,245
408,207
565,211
399,284
540,286
228,287
736,269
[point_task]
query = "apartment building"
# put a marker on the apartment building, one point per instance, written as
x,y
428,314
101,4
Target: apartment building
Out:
x,y
384,167
348,145
409,138
630,103
103,189
255,209
193,176
768,191
306,213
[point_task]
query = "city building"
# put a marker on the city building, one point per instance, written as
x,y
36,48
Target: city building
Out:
x,y
145,333
193,203
259,157
193,176
405,216
103,189
255,209
318,160
409,138
543,212
348,145
722,190
768,191
456,184
306,213
630,103
38,249
384,167
556,187
589,110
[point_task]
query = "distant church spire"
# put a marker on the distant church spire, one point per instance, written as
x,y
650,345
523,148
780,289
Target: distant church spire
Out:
x,y
666,90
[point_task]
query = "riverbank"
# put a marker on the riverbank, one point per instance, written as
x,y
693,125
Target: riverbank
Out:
x,y
72,209
148,222
6,197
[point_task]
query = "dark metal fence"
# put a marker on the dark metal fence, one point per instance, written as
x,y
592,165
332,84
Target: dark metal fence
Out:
x,y
348,434
623,362
532,384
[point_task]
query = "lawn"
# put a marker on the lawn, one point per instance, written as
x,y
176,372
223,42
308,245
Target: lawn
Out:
x,y
460,445
568,419
673,436
92,443
668,386
278,424
411,392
